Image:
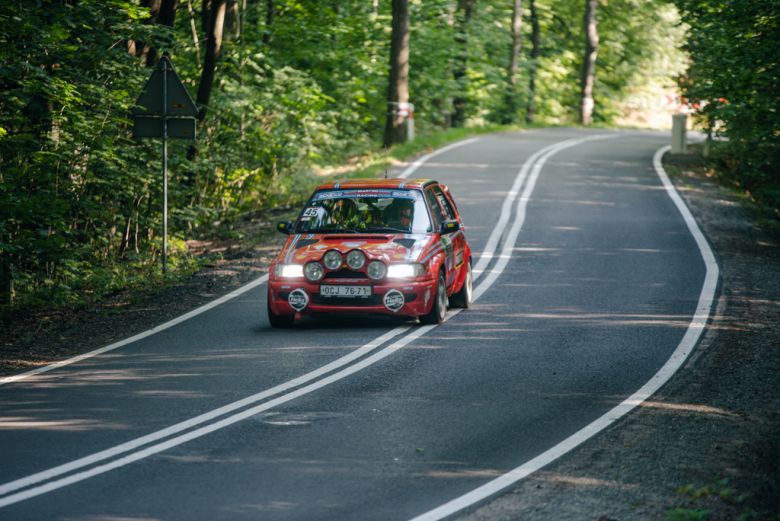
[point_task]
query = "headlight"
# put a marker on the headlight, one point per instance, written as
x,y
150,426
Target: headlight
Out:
x,y
377,270
356,259
291,271
313,271
332,260
405,271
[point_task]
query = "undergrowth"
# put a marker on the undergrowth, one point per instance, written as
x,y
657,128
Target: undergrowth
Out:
x,y
80,282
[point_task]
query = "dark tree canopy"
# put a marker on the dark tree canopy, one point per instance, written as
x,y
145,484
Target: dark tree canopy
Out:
x,y
287,86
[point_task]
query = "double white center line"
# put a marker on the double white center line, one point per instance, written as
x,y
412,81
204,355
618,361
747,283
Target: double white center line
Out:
x,y
152,442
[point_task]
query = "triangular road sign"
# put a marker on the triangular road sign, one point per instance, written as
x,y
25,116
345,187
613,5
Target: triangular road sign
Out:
x,y
150,103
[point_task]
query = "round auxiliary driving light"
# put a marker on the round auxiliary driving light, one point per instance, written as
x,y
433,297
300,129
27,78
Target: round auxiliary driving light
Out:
x,y
377,270
356,259
313,271
332,260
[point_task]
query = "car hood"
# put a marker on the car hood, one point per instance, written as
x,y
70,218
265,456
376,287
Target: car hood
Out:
x,y
302,248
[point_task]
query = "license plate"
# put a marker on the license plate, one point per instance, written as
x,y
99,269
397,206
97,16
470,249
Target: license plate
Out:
x,y
345,291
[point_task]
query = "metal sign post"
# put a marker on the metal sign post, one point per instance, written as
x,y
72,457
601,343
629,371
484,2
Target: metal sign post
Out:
x,y
165,170
164,95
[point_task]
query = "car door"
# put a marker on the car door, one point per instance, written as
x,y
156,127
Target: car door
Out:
x,y
458,238
438,218
453,243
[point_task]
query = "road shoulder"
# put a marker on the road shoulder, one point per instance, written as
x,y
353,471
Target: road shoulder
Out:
x,y
709,440
41,336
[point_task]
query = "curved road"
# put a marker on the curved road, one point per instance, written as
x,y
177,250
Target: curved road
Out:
x,y
601,286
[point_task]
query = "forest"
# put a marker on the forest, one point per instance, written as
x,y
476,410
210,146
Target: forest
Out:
x,y
288,90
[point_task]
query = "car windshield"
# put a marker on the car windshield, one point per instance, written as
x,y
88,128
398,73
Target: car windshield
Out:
x,y
365,210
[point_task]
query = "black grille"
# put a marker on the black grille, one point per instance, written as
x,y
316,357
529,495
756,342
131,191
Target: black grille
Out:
x,y
358,302
305,242
345,273
406,243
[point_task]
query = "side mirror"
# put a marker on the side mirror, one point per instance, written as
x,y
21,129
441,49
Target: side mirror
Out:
x,y
284,227
449,226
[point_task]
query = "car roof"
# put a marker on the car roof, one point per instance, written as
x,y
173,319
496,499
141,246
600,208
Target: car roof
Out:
x,y
395,182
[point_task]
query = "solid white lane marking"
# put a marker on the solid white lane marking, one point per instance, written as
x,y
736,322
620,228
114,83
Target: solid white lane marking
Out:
x,y
164,433
139,336
88,460
509,244
173,442
8,379
179,427
506,212
687,344
417,164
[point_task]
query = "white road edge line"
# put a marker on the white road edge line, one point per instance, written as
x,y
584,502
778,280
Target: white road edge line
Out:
x,y
198,311
417,164
179,427
687,344
139,336
506,209
173,442
416,333
174,429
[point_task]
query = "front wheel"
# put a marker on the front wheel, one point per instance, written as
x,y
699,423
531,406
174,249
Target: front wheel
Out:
x,y
279,320
439,307
462,299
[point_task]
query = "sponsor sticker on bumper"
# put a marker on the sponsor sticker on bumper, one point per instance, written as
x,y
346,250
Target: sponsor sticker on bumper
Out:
x,y
298,299
394,300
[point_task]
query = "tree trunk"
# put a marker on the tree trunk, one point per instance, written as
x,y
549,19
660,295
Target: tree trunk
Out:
x,y
213,47
194,33
398,90
589,61
205,19
517,19
511,92
162,12
529,117
142,48
334,35
269,22
459,103
6,284
232,26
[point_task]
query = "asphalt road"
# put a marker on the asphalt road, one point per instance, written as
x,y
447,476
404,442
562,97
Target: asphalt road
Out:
x,y
602,283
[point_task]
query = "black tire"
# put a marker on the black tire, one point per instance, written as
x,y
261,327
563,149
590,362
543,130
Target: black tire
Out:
x,y
439,307
462,299
279,320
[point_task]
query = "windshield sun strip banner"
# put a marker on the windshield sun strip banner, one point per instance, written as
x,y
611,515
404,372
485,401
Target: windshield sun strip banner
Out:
x,y
372,193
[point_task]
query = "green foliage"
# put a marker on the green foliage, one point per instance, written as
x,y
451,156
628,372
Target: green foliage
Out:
x,y
718,486
64,93
734,83
684,514
81,200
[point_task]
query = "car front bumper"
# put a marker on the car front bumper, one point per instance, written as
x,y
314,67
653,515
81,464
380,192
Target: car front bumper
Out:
x,y
418,298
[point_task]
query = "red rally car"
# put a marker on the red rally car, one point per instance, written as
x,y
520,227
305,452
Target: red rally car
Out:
x,y
392,246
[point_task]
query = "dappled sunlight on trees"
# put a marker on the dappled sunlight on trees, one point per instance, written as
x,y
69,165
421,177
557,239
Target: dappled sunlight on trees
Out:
x,y
289,86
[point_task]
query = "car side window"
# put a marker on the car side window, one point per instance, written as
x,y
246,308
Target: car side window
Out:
x,y
435,208
444,203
